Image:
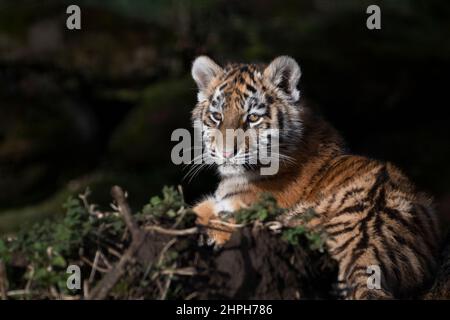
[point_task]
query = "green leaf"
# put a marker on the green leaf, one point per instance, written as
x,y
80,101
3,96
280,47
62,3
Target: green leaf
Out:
x,y
59,261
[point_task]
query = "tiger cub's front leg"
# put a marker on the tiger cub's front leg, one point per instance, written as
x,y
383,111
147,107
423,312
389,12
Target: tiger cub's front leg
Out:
x,y
210,213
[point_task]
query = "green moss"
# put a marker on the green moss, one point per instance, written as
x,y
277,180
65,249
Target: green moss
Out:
x,y
13,219
143,137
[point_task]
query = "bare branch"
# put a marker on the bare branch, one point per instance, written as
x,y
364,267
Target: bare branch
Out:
x,y
3,281
108,282
172,232
125,211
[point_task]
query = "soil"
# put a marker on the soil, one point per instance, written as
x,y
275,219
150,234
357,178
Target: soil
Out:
x,y
254,264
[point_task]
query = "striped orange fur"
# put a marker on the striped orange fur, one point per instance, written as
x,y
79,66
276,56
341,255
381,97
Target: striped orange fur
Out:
x,y
370,210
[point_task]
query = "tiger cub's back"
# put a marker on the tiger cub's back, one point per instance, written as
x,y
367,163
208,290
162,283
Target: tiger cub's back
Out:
x,y
374,219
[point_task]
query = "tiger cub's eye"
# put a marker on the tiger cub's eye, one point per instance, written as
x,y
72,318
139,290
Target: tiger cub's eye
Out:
x,y
253,118
216,116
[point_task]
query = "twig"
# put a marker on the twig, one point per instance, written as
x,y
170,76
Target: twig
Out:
x,y
54,293
91,264
161,256
180,217
13,293
114,252
138,236
86,289
191,295
30,279
3,281
108,282
90,208
274,225
164,250
227,224
94,266
172,232
101,291
167,285
105,260
68,297
125,211
188,271
182,209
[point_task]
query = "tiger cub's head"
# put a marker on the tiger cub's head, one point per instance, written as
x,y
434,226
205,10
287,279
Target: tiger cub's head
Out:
x,y
246,98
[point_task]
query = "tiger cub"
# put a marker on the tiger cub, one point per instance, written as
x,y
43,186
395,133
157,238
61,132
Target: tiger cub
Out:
x,y
370,210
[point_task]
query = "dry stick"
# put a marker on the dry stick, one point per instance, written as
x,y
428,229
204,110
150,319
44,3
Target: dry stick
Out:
x,y
162,253
86,289
13,293
90,208
31,277
164,250
101,291
182,209
125,211
138,235
188,271
109,281
172,232
3,281
167,285
94,266
105,260
227,224
274,225
191,295
114,252
54,293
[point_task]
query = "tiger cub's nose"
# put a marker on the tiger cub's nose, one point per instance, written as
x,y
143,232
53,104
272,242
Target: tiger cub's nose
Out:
x,y
227,154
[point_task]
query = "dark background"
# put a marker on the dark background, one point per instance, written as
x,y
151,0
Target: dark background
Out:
x,y
96,107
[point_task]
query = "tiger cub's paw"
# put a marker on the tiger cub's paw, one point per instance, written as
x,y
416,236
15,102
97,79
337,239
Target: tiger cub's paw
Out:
x,y
217,233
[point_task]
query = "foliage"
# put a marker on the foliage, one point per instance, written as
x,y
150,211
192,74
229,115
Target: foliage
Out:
x,y
315,238
265,209
50,246
167,205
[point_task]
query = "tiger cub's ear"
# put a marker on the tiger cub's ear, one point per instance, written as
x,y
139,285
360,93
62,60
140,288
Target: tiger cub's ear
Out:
x,y
284,72
203,71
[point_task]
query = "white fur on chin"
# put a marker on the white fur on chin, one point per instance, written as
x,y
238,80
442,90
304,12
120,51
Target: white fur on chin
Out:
x,y
228,170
